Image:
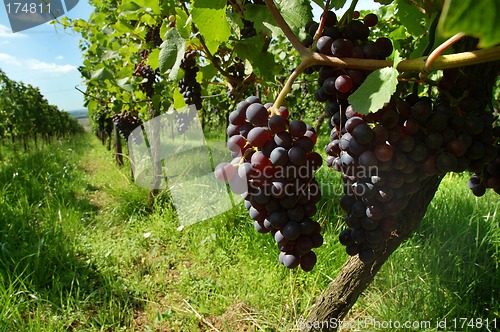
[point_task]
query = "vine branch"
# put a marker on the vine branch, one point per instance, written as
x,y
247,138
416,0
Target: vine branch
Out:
x,y
440,49
296,43
433,62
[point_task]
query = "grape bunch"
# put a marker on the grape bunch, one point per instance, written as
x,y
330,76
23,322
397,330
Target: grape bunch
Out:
x,y
153,35
105,124
349,41
248,30
184,120
273,169
149,78
489,177
188,86
385,156
237,74
126,123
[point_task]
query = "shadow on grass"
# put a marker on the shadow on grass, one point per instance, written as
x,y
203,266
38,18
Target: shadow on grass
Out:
x,y
449,268
46,280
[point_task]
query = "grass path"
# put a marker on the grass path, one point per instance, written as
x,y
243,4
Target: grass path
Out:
x,y
81,251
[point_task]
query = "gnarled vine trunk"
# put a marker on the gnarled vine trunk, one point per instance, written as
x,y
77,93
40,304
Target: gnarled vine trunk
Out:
x,y
355,276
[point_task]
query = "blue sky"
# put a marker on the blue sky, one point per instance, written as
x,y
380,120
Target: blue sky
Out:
x,y
46,56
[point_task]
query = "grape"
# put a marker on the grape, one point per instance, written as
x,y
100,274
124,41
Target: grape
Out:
x,y
385,45
342,48
357,30
363,133
258,136
330,18
279,156
257,114
277,124
308,261
297,128
366,255
324,45
370,20
343,83
297,156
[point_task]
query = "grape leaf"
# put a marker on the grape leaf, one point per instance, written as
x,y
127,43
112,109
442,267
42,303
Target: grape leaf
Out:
x,y
125,84
262,62
376,90
296,13
263,19
480,19
153,58
101,74
209,16
337,4
411,18
171,50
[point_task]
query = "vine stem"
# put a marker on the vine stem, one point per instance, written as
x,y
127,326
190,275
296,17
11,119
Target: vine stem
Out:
x,y
310,58
296,43
321,25
288,86
440,49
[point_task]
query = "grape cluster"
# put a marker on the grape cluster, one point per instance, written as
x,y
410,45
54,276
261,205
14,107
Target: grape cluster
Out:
x,y
248,30
153,36
105,124
188,86
149,78
184,120
349,41
489,177
385,156
126,123
273,169
237,72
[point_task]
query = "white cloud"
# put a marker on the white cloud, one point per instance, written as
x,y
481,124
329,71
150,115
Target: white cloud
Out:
x,y
6,32
59,57
35,65
9,60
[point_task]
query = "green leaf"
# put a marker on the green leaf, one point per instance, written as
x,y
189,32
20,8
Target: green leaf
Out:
x,y
124,83
153,59
296,13
376,90
171,50
209,16
263,19
337,4
411,18
478,18
397,59
178,100
262,62
208,72
181,23
101,74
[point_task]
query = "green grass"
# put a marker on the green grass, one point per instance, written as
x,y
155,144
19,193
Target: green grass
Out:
x,y
449,268
81,250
